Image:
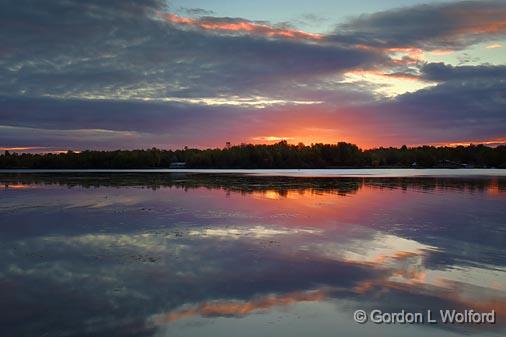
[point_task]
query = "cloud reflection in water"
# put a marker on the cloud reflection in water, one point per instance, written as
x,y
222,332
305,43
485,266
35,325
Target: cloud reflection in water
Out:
x,y
110,257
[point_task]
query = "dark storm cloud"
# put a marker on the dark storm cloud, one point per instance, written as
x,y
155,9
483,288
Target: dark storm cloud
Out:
x,y
431,26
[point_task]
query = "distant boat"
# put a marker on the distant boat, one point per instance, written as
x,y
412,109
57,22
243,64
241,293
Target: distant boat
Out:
x,y
177,164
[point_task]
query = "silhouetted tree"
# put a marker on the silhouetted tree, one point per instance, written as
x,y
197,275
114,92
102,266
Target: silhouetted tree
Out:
x,y
279,155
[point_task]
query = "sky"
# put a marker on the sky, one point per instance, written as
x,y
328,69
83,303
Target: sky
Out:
x,y
111,74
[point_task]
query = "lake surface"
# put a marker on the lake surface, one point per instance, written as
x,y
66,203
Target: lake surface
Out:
x,y
334,173
185,254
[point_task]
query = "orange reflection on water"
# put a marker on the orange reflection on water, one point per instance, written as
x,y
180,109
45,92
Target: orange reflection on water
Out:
x,y
240,308
17,186
493,188
409,274
309,207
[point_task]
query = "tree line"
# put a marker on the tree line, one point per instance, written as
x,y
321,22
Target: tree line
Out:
x,y
279,155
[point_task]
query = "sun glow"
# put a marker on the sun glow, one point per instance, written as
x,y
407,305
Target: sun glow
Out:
x,y
387,84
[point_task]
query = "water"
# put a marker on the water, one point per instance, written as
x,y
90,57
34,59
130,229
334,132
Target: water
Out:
x,y
399,173
183,254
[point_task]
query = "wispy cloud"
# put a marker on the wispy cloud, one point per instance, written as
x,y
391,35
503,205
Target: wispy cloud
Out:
x,y
236,25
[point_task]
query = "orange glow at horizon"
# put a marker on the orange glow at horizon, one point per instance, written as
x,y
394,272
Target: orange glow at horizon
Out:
x,y
313,125
490,142
271,138
21,148
308,139
36,149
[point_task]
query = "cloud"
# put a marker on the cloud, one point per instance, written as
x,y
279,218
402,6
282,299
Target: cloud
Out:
x,y
468,103
238,25
431,26
202,81
92,49
443,72
38,136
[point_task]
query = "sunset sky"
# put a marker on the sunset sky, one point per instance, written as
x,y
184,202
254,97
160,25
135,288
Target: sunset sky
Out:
x,y
108,74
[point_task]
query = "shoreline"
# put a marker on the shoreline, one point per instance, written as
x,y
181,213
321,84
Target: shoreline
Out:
x,y
332,173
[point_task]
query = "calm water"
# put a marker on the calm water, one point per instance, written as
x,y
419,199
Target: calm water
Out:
x,y
210,255
358,173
